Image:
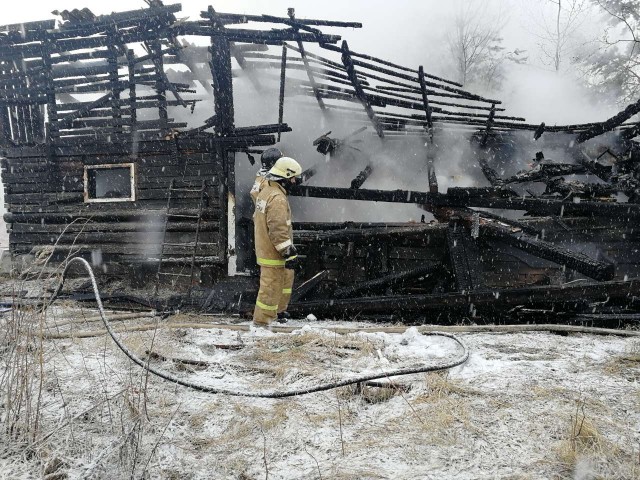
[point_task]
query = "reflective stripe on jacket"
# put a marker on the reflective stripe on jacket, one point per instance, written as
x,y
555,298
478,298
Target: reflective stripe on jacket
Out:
x,y
272,225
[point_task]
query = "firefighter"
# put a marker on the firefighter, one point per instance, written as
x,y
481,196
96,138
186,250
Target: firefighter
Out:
x,y
275,253
267,159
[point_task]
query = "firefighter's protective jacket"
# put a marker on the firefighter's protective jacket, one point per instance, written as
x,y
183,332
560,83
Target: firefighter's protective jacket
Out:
x,y
272,225
258,184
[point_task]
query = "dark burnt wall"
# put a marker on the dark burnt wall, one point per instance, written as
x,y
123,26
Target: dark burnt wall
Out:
x,y
44,198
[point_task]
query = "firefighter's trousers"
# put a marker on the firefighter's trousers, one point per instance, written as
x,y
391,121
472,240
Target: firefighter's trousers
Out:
x,y
276,284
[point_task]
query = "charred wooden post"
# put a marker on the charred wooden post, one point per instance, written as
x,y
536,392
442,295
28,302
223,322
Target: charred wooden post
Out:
x,y
52,109
464,257
431,173
353,76
425,101
283,72
133,111
222,79
362,177
307,67
539,131
489,126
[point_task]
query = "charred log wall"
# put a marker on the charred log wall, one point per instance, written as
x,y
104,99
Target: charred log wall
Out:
x,y
45,203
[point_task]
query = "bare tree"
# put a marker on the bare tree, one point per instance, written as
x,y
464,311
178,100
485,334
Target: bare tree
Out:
x,y
476,46
556,29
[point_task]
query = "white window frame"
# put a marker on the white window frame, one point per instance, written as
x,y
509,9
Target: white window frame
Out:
x,y
132,170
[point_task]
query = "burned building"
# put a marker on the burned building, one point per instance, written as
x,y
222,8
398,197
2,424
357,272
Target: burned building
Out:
x,y
96,162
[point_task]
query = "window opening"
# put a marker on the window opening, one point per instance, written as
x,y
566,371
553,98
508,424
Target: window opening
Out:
x,y
109,183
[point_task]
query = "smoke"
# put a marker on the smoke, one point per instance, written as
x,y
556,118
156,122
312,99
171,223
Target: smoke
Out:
x,y
410,33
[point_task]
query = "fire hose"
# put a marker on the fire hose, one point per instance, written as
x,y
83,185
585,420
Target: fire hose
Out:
x,y
270,394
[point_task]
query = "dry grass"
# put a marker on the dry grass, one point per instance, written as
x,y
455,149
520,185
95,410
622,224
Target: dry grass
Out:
x,y
585,452
281,355
439,385
627,364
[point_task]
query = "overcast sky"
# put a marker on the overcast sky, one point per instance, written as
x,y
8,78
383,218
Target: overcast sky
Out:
x,y
409,32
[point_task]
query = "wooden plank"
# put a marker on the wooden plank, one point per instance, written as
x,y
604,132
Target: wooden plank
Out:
x,y
115,226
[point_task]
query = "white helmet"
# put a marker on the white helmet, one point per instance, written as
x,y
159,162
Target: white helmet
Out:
x,y
285,167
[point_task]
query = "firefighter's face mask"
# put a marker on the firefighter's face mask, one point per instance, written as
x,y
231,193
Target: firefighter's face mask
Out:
x,y
291,182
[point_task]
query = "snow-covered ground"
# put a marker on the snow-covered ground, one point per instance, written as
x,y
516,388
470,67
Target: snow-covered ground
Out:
x,y
524,406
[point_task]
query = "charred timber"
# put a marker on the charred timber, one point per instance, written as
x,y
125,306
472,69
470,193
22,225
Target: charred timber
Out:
x,y
490,174
232,18
274,37
465,258
567,296
609,124
425,101
547,250
546,171
305,288
362,177
362,233
390,64
359,92
469,197
387,281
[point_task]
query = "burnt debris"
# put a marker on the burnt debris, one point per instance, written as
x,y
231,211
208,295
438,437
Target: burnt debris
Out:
x,y
95,162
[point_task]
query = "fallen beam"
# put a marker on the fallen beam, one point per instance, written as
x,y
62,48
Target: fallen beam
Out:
x,y
387,281
472,197
495,299
547,250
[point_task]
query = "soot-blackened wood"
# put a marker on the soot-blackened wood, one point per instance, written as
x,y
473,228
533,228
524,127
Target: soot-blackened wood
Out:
x,y
425,101
133,109
566,296
222,78
283,75
362,177
307,67
52,108
490,120
580,189
351,72
609,124
306,287
490,174
467,197
412,78
5,126
231,18
155,48
465,258
391,280
546,172
389,64
547,250
601,171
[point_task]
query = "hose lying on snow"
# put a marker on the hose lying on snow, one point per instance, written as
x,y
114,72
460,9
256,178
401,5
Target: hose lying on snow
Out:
x,y
273,394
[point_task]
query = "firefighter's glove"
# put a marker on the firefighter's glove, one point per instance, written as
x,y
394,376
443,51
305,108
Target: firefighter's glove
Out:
x,y
291,258
290,251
